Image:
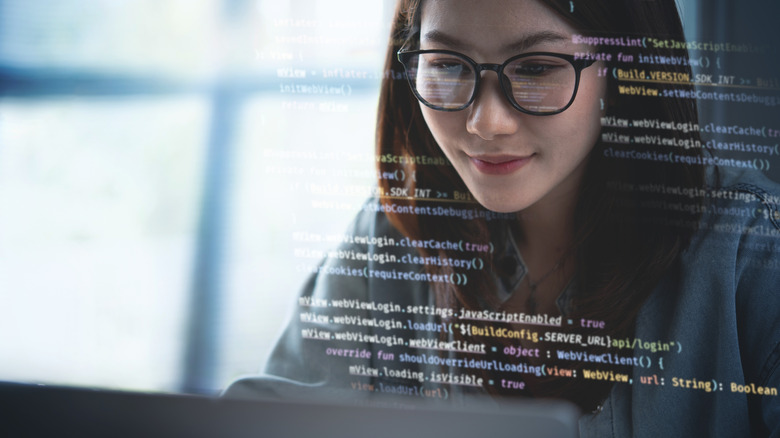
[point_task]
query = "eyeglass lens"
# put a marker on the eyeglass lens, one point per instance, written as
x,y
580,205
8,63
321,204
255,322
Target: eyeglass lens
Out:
x,y
538,83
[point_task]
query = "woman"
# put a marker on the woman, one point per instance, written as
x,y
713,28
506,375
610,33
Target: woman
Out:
x,y
558,262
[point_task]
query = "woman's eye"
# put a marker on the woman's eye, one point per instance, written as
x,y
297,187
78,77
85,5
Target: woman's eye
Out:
x,y
534,69
445,65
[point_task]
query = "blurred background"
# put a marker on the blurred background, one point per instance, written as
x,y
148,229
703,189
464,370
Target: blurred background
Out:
x,y
157,158
151,162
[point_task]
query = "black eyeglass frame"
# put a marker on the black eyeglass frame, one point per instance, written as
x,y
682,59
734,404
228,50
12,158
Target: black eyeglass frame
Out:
x,y
578,64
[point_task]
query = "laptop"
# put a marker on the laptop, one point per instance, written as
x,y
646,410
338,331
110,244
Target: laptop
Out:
x,y
37,410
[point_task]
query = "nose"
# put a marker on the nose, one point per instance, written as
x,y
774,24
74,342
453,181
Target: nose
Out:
x,y
491,115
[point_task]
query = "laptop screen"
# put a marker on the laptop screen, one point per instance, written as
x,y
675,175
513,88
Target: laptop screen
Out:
x,y
424,200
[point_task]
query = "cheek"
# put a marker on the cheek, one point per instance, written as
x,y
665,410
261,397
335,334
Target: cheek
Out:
x,y
565,140
444,126
593,94
583,118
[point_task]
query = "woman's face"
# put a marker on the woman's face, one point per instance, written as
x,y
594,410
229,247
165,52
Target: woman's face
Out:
x,y
510,160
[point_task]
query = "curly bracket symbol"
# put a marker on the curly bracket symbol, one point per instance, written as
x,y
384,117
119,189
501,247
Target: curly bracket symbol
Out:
x,y
661,362
572,6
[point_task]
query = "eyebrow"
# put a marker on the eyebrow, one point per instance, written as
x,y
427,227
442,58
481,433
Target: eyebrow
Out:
x,y
521,45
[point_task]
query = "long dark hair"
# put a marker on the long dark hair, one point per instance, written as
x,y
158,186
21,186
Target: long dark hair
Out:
x,y
623,242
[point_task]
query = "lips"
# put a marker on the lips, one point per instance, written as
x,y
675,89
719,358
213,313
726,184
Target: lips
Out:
x,y
499,164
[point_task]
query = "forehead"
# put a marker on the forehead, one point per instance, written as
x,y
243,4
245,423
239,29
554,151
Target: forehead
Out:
x,y
492,26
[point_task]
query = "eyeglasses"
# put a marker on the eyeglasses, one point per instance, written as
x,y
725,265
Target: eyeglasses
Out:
x,y
538,83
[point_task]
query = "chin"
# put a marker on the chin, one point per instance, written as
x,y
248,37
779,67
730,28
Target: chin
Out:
x,y
500,205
